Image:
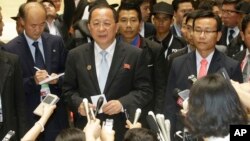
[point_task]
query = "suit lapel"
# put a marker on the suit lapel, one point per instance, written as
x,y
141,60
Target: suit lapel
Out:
x,y
117,60
215,64
4,69
27,53
47,52
191,63
90,62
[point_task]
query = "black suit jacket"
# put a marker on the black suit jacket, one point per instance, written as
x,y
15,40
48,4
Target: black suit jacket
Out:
x,y
184,66
55,56
223,39
12,96
130,85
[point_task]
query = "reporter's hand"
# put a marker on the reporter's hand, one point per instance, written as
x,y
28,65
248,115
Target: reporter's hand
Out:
x,y
107,135
40,75
130,125
93,129
55,81
184,110
112,107
81,109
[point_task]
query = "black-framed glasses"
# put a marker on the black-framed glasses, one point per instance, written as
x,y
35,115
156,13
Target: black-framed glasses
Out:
x,y
206,32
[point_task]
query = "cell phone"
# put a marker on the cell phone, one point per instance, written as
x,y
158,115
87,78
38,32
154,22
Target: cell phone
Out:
x,y
224,73
9,135
184,94
50,99
109,124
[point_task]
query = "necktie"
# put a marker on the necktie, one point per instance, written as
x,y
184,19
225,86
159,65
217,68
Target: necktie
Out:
x,y
230,37
39,62
103,71
246,70
203,68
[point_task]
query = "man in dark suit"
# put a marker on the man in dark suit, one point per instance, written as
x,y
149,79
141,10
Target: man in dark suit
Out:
x,y
12,99
205,59
52,58
129,20
243,56
231,19
122,75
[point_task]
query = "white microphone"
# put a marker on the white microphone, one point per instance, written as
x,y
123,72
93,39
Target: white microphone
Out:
x,y
137,115
160,120
167,126
86,107
153,124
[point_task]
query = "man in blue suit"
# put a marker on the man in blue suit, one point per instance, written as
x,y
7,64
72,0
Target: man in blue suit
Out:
x,y
51,59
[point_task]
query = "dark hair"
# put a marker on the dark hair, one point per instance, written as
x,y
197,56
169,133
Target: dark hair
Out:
x,y
230,1
208,5
49,1
140,134
213,106
208,14
176,3
130,6
245,22
191,15
103,6
71,134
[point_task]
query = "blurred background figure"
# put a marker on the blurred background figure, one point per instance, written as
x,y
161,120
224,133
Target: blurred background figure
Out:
x,y
19,26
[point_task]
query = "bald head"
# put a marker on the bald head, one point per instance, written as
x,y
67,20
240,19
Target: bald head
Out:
x,y
33,19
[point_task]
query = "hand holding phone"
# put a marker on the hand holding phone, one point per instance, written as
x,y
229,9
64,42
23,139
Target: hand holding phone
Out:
x,y
50,99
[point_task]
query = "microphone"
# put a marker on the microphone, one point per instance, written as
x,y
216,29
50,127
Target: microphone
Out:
x,y
86,107
151,120
167,126
99,104
160,120
137,115
192,78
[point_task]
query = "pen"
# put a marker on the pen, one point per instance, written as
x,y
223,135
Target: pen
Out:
x,y
36,68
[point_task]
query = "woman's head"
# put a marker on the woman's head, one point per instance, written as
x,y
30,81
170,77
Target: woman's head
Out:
x,y
71,134
213,106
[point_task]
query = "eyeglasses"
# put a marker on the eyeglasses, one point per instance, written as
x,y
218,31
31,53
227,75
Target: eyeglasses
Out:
x,y
206,32
228,12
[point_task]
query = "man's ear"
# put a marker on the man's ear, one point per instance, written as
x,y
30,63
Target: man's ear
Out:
x,y
242,35
218,36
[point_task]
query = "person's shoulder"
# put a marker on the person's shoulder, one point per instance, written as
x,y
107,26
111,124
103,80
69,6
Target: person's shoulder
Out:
x,y
151,44
8,57
81,48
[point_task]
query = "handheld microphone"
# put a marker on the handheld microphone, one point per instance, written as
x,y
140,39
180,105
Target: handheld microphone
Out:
x,y
160,120
192,78
9,135
137,115
99,104
86,107
151,120
167,126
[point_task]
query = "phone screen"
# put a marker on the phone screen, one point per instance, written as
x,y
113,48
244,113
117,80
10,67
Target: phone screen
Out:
x,y
48,99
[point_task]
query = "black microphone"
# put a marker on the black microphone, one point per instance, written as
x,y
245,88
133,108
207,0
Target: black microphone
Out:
x,y
99,104
192,78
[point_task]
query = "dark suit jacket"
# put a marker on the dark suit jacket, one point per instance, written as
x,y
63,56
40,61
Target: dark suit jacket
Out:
x,y
240,55
55,56
130,85
223,39
185,66
235,46
12,95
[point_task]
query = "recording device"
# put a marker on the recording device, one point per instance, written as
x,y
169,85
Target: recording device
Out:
x,y
192,78
160,120
108,125
99,104
181,95
151,120
184,94
224,73
9,135
86,107
137,115
50,99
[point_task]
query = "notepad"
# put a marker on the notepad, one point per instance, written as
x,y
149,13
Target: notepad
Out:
x,y
50,78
